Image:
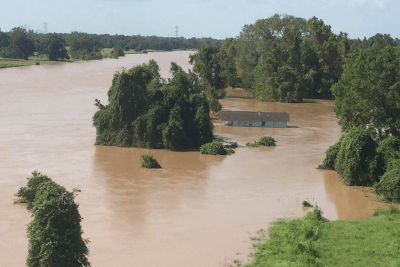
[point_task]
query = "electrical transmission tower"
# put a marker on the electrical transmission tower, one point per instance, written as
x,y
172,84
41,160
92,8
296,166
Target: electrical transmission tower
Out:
x,y
45,27
176,31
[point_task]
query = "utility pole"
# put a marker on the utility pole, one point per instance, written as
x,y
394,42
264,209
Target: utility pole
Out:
x,y
176,31
45,27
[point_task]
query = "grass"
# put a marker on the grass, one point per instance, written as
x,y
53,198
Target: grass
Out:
x,y
311,241
32,60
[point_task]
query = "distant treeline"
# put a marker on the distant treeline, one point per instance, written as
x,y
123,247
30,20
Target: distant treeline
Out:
x,y
22,43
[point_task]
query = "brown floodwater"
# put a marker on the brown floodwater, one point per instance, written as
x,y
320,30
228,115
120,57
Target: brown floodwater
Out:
x,y
198,210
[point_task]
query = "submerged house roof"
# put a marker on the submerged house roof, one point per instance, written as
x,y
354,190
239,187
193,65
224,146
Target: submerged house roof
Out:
x,y
225,115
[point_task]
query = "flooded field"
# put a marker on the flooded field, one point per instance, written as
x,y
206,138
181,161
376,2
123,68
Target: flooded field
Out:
x,y
198,210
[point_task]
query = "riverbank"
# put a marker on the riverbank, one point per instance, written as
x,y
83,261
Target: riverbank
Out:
x,y
41,60
311,241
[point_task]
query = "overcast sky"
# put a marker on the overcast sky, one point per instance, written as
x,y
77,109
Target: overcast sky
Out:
x,y
196,18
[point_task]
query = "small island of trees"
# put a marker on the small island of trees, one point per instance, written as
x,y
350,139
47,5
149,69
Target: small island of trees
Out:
x,y
145,110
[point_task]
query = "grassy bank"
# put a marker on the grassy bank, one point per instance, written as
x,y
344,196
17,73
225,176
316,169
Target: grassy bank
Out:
x,y
311,241
32,60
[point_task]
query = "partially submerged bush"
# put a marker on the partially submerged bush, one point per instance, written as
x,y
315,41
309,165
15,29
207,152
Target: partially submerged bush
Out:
x,y
148,161
263,141
330,156
266,141
357,160
213,148
389,185
306,204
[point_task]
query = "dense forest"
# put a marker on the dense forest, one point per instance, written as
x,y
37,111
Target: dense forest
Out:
x,y
285,58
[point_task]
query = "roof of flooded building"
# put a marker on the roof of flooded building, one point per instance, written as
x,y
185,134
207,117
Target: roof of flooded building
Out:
x,y
225,115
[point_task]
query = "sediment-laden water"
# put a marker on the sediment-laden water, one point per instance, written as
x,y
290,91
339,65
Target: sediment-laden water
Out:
x,y
198,210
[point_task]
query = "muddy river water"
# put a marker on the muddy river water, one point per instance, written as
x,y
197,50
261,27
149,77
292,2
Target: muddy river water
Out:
x,y
198,210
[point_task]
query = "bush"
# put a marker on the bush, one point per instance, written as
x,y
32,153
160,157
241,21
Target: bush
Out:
x,y
148,161
389,185
263,141
266,141
117,52
213,148
357,161
330,156
306,204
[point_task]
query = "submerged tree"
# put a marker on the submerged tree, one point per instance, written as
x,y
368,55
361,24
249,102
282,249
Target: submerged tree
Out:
x,y
147,111
55,234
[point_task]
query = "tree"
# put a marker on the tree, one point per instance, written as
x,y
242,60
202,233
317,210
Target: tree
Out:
x,y
206,64
55,234
83,46
4,40
368,93
53,45
357,161
21,44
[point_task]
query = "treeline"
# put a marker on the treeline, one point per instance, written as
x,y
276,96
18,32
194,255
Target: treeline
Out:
x,y
367,101
286,59
21,43
139,43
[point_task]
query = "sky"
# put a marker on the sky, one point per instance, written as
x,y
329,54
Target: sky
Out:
x,y
217,19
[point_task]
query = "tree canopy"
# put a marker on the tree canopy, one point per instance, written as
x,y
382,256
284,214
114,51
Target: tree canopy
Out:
x,y
53,45
368,93
83,46
147,111
20,44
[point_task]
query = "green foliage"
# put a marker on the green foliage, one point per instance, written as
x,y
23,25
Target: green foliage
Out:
x,y
388,150
117,52
291,242
357,160
55,234
206,64
83,46
306,204
213,148
284,58
146,111
367,95
330,156
311,241
266,141
53,45
20,44
389,184
148,161
263,141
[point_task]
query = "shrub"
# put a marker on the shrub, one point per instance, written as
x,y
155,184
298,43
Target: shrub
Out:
x,y
357,161
231,144
263,141
389,185
266,141
306,204
213,148
148,161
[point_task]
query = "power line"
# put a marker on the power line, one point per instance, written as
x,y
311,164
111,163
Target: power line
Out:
x,y
176,31
45,27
